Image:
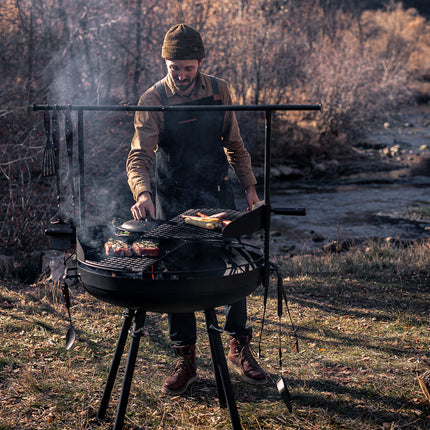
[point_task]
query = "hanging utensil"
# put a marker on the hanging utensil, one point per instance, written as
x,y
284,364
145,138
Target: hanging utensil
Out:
x,y
56,149
48,163
71,332
69,146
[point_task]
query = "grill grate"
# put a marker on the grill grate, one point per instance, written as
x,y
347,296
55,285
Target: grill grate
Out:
x,y
130,264
176,228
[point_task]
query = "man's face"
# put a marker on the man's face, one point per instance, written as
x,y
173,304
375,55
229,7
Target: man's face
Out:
x,y
184,73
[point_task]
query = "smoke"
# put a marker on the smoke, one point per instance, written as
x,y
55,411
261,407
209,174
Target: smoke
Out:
x,y
103,183
90,61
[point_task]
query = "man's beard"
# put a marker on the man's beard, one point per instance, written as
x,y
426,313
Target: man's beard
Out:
x,y
185,84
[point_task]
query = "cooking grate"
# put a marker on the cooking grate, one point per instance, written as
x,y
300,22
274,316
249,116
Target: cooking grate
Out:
x,y
131,264
176,228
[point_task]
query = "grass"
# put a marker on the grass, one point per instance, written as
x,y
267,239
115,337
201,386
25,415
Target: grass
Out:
x,y
361,317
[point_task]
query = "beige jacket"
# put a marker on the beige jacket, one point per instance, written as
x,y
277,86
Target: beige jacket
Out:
x,y
149,127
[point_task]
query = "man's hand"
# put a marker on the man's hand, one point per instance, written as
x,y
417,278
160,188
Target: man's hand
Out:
x,y
251,197
144,204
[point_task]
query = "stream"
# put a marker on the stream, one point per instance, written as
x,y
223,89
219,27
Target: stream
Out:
x,y
350,211
371,204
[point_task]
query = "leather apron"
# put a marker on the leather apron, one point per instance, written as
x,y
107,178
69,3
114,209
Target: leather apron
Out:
x,y
191,169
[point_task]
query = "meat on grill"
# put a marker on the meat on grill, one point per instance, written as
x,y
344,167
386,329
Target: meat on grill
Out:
x,y
118,248
146,248
210,222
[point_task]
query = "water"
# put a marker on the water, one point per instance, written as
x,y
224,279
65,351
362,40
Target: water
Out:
x,y
349,211
370,204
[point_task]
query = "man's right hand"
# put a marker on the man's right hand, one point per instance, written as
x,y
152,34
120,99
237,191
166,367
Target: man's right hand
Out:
x,y
142,206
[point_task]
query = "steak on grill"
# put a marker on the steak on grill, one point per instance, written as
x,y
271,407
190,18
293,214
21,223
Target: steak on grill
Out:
x,y
118,248
146,248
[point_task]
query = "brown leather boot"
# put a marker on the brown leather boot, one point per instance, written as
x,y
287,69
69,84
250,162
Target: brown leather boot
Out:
x,y
241,361
184,371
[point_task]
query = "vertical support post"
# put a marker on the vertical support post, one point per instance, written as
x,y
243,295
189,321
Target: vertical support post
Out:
x,y
267,186
81,159
267,155
212,329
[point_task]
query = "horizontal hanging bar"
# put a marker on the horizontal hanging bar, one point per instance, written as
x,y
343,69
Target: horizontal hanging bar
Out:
x,y
132,108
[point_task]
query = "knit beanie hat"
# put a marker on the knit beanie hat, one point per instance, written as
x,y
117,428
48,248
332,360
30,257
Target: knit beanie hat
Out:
x,y
182,42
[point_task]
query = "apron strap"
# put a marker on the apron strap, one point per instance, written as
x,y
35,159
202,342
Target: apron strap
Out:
x,y
162,93
217,95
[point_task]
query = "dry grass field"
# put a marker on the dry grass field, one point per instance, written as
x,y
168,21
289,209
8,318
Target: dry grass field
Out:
x,y
362,321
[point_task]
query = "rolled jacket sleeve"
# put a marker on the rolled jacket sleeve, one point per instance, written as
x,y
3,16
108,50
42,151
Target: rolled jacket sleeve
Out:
x,y
147,126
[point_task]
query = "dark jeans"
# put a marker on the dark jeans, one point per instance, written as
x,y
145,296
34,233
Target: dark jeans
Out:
x,y
182,327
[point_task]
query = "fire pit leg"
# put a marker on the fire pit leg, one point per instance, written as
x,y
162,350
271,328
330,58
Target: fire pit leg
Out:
x,y
218,378
128,318
136,334
222,377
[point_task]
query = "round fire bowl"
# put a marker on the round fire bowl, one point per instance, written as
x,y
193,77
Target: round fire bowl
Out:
x,y
173,295
187,276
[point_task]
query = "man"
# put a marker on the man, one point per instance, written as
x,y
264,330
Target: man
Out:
x,y
191,170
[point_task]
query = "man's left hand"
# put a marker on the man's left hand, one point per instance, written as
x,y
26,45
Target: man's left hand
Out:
x,y
251,197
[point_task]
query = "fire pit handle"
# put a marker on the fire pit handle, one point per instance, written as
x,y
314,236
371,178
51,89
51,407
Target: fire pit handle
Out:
x,y
289,211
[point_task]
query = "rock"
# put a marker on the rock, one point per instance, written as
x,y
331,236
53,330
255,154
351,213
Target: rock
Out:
x,y
331,247
376,146
329,167
287,172
336,246
399,242
275,233
284,249
275,172
317,238
386,151
402,143
319,167
395,150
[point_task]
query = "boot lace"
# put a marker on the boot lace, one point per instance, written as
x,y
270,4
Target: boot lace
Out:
x,y
246,355
182,364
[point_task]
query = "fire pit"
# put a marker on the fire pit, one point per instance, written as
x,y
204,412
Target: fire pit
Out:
x,y
196,268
